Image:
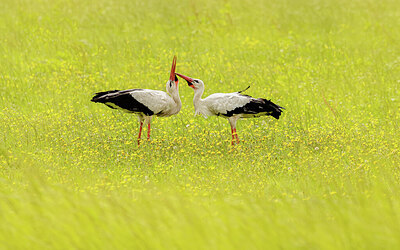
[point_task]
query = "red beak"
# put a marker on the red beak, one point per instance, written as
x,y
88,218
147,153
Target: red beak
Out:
x,y
172,75
188,79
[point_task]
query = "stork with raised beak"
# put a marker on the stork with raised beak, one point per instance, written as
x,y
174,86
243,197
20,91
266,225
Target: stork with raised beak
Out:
x,y
145,103
232,106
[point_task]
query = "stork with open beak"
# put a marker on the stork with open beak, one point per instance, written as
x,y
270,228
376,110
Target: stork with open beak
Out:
x,y
145,102
232,106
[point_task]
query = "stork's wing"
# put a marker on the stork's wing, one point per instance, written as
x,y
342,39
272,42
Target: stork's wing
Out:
x,y
237,104
222,103
146,101
156,100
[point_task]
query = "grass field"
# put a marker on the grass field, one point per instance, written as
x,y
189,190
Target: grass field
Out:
x,y
324,176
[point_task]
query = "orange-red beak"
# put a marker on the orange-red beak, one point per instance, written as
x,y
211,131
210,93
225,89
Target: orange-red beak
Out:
x,y
188,79
172,76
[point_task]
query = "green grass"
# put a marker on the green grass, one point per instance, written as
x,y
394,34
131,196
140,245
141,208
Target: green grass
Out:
x,y
326,175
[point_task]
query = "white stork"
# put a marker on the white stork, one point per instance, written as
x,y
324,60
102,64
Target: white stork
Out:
x,y
145,102
232,106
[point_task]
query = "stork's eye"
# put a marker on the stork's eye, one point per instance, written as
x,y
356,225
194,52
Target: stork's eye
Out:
x,y
170,84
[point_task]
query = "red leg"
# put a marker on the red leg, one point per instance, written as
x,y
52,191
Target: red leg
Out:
x,y
236,135
140,133
148,131
232,122
233,137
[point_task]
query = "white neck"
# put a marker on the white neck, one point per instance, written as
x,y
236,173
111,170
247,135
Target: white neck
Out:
x,y
197,101
176,98
200,106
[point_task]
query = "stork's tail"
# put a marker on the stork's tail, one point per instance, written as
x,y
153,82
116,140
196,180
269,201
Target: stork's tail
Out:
x,y
101,96
276,109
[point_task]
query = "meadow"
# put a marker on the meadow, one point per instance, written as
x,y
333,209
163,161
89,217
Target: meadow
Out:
x,y
324,176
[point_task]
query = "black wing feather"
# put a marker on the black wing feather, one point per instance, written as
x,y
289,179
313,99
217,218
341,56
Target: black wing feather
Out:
x,y
99,95
123,99
258,106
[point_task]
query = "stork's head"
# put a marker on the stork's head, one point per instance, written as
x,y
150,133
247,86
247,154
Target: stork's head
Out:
x,y
193,83
172,84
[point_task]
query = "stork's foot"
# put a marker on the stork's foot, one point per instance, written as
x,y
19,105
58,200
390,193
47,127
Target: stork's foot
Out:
x,y
233,142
